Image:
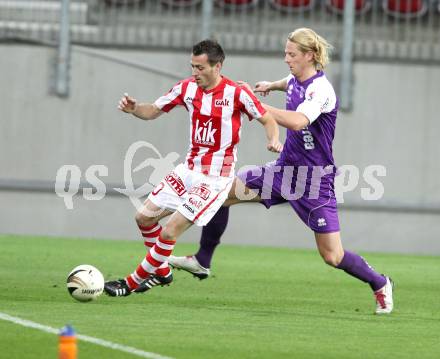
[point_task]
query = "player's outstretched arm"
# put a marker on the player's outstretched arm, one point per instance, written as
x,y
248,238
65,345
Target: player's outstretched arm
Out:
x,y
289,119
272,132
264,87
144,111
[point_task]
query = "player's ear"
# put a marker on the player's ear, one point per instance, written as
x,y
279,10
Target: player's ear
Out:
x,y
218,66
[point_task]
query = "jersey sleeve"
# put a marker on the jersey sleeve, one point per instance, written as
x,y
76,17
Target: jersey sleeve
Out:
x,y
319,98
251,106
172,99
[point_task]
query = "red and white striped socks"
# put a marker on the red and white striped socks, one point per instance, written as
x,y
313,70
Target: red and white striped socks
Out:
x,y
150,234
156,260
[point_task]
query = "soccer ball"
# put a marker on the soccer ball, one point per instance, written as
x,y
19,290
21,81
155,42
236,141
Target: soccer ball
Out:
x,y
85,283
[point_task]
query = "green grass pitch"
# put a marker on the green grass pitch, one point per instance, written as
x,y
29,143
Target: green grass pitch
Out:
x,y
260,303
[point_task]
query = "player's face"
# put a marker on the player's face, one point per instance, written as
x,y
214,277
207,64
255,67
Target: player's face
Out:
x,y
298,62
204,74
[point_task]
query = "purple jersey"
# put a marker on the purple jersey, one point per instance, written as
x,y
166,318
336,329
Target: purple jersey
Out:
x,y
316,99
275,183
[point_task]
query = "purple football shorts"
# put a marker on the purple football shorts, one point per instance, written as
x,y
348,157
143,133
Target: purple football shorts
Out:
x,y
313,201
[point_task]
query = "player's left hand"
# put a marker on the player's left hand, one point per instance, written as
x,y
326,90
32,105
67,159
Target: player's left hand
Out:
x,y
275,146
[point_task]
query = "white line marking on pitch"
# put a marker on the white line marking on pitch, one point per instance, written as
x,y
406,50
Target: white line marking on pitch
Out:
x,y
85,338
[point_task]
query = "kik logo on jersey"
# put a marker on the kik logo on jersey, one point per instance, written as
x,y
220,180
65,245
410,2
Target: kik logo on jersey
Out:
x,y
205,133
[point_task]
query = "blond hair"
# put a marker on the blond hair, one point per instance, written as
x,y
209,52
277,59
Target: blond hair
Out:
x,y
308,40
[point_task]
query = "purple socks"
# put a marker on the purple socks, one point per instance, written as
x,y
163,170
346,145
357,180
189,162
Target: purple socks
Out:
x,y
357,267
211,234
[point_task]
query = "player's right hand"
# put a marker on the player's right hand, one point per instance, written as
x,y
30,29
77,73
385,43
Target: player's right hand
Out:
x,y
262,87
127,104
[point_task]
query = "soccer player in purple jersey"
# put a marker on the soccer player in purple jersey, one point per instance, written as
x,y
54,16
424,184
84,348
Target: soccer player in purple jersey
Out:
x,y
304,173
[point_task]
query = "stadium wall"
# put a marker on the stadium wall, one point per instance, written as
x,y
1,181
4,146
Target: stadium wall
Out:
x,y
393,124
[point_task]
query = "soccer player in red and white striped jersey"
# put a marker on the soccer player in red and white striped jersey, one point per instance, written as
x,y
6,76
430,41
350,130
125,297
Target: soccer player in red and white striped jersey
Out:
x,y
216,118
195,190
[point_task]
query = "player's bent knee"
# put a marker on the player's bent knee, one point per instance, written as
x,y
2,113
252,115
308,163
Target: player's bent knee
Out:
x,y
143,220
331,259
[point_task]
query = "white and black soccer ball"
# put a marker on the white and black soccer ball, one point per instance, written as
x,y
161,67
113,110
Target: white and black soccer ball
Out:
x,y
85,283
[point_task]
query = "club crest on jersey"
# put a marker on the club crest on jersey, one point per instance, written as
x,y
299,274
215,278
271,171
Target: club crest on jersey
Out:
x,y
175,183
201,190
221,103
204,133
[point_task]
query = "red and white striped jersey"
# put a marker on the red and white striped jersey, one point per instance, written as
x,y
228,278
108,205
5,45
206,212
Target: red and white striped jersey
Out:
x,y
215,122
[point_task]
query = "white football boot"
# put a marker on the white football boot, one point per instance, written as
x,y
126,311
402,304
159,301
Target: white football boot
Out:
x,y
191,265
384,298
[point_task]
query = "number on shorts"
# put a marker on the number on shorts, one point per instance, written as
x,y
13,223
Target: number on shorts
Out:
x,y
158,188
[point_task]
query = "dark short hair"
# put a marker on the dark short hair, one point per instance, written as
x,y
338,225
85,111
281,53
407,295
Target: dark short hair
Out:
x,y
211,48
